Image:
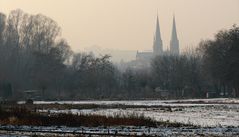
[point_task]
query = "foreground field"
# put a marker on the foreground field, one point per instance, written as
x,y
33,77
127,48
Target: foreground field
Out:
x,y
118,131
200,117
200,112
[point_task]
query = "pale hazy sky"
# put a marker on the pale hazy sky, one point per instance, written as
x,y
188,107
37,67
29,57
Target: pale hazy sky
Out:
x,y
130,24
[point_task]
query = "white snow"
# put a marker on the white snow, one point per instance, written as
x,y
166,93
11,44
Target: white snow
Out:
x,y
206,114
143,102
123,130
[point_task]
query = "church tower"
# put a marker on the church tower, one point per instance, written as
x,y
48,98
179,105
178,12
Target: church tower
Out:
x,y
174,43
158,44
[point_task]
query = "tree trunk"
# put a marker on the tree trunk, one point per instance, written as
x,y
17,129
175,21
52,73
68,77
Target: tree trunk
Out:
x,y
237,92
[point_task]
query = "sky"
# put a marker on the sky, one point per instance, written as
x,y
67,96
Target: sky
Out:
x,y
130,24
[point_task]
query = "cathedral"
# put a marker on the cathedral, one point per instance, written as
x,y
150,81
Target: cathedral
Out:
x,y
158,44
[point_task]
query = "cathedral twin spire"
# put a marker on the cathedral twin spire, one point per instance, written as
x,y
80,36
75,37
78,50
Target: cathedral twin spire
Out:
x,y
158,44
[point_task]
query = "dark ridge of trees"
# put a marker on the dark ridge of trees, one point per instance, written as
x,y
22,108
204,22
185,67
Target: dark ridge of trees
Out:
x,y
34,57
220,59
179,73
30,55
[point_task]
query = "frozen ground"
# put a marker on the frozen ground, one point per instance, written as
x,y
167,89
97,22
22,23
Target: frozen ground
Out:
x,y
225,115
119,131
204,112
143,102
217,117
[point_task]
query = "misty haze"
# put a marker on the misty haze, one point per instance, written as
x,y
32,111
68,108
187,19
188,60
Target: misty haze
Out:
x,y
119,68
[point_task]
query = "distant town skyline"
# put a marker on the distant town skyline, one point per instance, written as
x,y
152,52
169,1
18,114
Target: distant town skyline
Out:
x,y
130,25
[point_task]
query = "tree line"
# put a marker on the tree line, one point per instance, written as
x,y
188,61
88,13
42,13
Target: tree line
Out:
x,y
33,56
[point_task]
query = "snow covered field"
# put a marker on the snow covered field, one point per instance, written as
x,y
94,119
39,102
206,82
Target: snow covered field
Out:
x,y
143,102
221,112
212,117
20,131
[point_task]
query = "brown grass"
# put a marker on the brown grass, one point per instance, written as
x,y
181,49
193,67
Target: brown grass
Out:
x,y
23,116
15,114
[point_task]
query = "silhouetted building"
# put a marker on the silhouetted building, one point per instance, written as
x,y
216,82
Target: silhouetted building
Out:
x,y
158,45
